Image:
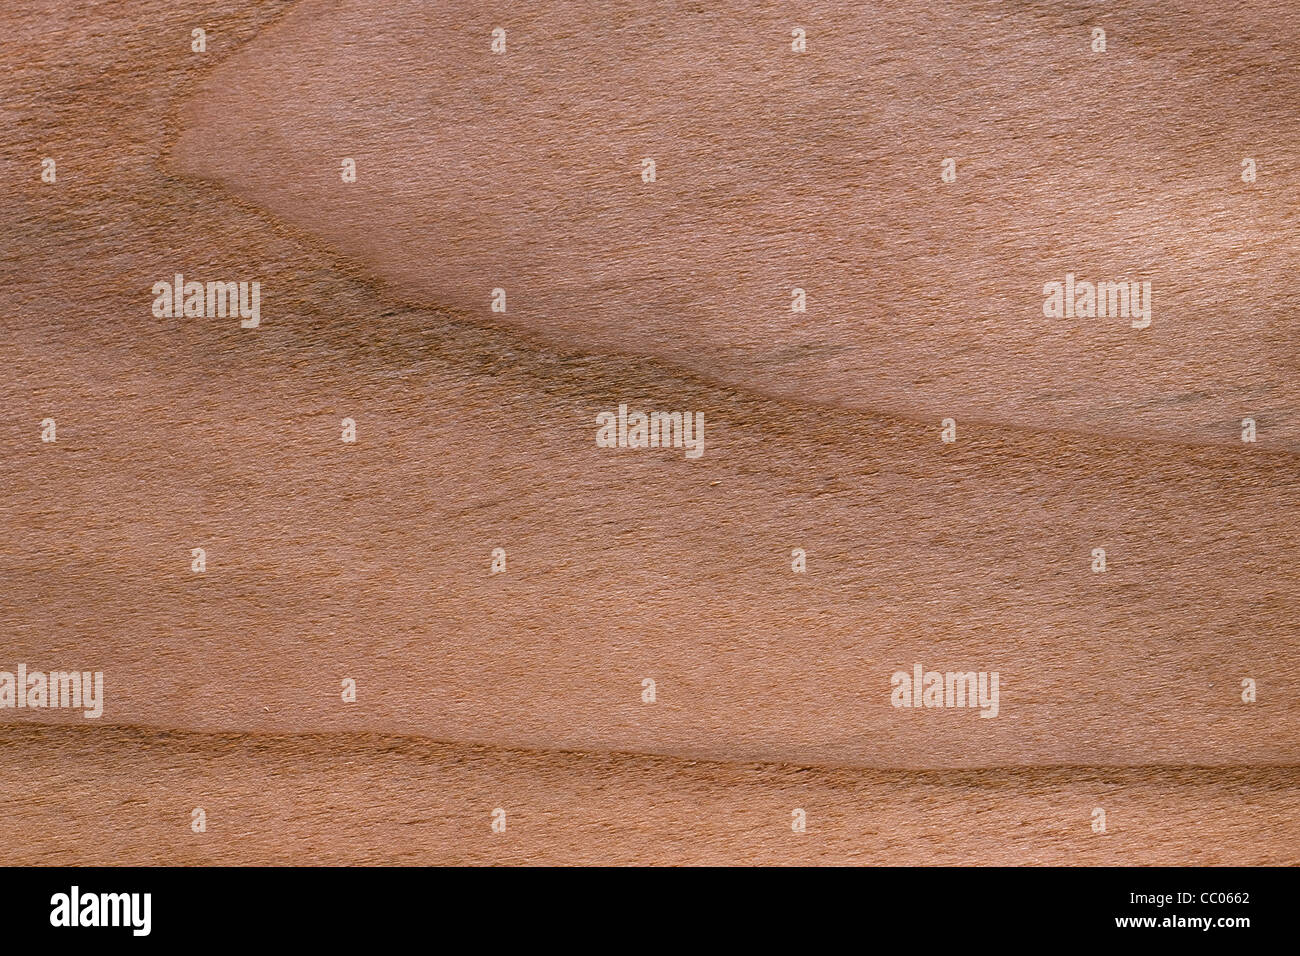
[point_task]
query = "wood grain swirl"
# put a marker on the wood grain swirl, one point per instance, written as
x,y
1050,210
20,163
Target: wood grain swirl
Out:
x,y
475,431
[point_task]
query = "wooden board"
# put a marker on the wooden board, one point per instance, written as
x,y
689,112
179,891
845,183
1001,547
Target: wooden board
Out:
x,y
476,430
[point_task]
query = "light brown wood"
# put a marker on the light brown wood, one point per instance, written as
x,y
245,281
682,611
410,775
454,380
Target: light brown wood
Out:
x,y
476,430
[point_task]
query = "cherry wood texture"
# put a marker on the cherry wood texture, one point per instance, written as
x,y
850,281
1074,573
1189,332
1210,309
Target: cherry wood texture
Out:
x,y
475,430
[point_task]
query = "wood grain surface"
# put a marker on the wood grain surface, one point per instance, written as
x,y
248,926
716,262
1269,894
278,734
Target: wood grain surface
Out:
x,y
475,430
